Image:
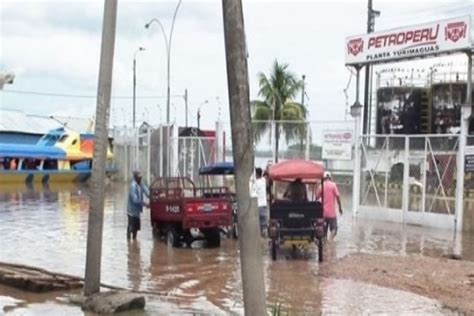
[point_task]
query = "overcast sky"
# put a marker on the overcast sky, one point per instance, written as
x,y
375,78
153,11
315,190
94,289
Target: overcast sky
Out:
x,y
53,47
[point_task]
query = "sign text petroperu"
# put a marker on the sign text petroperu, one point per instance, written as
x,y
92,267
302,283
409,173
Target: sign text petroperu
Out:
x,y
409,42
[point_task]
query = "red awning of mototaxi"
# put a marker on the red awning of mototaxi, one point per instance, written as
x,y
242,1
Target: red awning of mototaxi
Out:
x,y
290,170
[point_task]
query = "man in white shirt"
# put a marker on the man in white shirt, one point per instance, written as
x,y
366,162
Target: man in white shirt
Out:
x,y
260,192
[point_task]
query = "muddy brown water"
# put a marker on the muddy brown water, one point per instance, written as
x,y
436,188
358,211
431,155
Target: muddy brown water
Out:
x,y
46,227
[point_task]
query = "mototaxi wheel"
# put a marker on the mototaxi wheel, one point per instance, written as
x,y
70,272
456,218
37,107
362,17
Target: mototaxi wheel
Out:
x,y
320,249
274,249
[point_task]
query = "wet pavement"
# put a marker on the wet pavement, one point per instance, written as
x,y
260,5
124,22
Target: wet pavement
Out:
x,y
47,228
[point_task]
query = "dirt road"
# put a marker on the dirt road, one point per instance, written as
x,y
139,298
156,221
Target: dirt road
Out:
x,y
451,282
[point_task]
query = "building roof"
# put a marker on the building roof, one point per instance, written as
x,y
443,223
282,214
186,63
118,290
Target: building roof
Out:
x,y
19,122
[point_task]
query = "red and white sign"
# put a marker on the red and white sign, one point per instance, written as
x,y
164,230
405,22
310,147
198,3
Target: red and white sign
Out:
x,y
337,144
409,42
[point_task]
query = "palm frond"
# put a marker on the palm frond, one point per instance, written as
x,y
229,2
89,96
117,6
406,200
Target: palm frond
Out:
x,y
278,91
262,114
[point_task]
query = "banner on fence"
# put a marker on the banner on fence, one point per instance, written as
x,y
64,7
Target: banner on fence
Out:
x,y
337,144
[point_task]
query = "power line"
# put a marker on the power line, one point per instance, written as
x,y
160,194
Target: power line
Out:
x,y
82,96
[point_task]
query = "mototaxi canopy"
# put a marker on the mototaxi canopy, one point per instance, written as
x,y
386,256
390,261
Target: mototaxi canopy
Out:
x,y
290,170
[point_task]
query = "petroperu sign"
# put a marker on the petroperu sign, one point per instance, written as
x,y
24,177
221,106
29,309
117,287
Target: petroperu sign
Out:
x,y
410,42
337,144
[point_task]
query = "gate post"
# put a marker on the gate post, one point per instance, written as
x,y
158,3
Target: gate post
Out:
x,y
161,150
357,168
148,155
406,179
465,115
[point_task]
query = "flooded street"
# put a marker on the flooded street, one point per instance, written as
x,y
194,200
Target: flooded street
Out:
x,y
47,228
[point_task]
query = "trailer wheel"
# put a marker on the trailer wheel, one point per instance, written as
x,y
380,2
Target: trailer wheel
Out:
x,y
274,249
213,238
155,231
320,249
188,238
173,237
235,231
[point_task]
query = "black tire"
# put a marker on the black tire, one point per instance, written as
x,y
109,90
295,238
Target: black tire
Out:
x,y
274,249
155,231
188,238
213,238
173,237
320,249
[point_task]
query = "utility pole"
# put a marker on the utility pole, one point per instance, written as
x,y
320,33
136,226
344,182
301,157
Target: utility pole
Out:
x,y
96,210
186,105
135,81
251,262
371,15
198,119
302,90
303,77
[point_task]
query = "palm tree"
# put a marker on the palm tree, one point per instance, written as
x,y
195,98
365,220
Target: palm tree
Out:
x,y
278,91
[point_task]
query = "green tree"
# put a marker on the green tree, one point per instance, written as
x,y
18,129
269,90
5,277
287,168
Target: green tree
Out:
x,y
278,91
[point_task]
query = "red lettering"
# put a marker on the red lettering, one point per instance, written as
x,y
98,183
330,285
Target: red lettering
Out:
x,y
378,43
435,35
400,38
409,36
392,39
371,42
416,36
425,33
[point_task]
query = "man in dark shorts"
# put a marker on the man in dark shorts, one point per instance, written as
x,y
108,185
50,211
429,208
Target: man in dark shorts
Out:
x,y
135,204
331,196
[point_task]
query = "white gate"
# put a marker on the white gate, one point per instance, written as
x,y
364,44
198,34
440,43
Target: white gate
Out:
x,y
409,179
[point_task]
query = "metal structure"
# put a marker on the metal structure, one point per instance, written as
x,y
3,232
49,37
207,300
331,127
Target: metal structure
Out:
x,y
168,40
364,51
144,149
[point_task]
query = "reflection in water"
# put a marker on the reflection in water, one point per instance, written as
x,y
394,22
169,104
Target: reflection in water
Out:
x,y
47,227
134,265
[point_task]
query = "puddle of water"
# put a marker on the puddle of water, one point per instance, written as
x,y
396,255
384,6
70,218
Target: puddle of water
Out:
x,y
47,228
346,297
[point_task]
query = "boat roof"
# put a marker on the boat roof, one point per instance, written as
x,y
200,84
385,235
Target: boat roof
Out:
x,y
218,168
31,151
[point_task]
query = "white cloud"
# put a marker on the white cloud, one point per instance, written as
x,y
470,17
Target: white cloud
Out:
x,y
54,46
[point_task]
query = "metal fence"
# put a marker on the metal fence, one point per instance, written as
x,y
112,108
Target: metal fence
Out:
x,y
147,148
282,140
409,178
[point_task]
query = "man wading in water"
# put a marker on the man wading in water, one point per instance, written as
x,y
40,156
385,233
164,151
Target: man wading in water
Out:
x,y
135,204
331,196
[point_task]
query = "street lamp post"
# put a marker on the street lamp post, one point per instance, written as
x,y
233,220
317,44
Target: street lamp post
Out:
x,y
135,81
168,57
356,111
199,113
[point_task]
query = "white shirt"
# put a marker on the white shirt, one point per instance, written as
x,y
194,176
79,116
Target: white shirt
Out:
x,y
261,192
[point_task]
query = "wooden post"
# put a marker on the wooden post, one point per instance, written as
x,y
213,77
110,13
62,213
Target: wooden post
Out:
x,y
253,283
96,210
